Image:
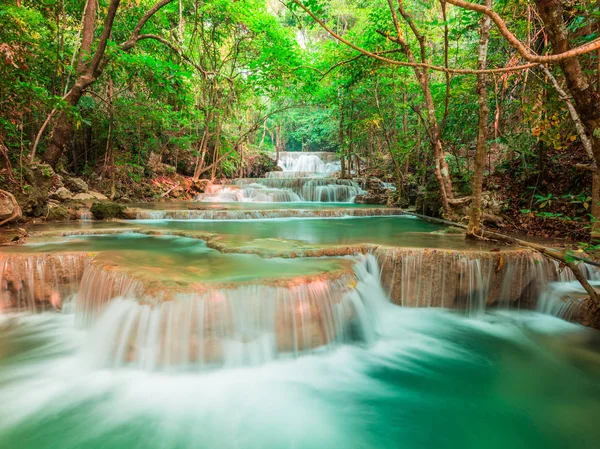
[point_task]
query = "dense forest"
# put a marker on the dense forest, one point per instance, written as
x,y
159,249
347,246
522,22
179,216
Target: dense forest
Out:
x,y
485,110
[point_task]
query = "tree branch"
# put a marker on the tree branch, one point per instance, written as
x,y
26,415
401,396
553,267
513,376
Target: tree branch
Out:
x,y
525,53
407,64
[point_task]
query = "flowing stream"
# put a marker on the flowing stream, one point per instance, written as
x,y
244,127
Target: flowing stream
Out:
x,y
250,326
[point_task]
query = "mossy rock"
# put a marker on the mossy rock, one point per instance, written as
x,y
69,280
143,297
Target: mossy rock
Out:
x,y
107,210
58,213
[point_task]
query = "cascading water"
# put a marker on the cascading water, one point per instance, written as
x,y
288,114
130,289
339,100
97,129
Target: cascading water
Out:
x,y
304,178
313,361
565,297
238,326
34,282
476,281
298,164
324,190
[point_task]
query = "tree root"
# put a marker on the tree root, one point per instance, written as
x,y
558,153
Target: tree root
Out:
x,y
17,214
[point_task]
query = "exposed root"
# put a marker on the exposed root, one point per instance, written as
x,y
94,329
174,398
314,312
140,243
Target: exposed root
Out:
x,y
17,214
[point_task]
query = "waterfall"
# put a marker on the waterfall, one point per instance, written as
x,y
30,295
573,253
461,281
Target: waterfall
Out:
x,y
564,298
475,281
248,324
305,177
275,189
314,163
37,282
338,212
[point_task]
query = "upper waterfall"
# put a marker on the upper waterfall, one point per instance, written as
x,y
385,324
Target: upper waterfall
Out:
x,y
311,164
305,177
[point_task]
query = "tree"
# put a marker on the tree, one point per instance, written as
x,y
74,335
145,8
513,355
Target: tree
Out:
x,y
90,69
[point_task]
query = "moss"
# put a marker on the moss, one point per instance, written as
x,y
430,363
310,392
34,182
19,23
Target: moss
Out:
x,y
58,213
106,210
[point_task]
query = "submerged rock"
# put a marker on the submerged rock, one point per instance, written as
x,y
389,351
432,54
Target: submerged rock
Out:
x,y
107,210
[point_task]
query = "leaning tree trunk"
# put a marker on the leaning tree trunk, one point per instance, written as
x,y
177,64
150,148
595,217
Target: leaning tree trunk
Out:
x,y
63,125
474,227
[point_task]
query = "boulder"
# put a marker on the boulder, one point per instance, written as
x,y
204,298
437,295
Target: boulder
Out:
x,y
98,196
107,210
62,194
58,213
77,185
84,197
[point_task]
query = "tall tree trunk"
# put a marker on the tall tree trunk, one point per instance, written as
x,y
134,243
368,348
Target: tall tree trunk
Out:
x,y
63,126
90,69
474,227
581,87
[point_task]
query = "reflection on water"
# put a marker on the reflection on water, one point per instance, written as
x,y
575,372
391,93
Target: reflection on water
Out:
x,y
433,380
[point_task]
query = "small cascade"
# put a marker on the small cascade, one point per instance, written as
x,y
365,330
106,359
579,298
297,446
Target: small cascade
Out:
x,y
289,174
97,287
316,163
305,177
251,193
471,281
339,212
564,298
249,324
37,282
325,190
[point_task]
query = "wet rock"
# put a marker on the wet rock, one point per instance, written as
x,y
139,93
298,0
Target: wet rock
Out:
x,y
107,210
371,198
77,185
62,194
376,192
131,213
58,213
12,236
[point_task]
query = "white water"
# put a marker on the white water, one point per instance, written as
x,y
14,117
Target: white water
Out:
x,y
303,163
564,298
281,190
247,325
304,178
326,400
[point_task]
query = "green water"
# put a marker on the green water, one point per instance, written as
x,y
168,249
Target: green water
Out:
x,y
394,231
434,380
181,259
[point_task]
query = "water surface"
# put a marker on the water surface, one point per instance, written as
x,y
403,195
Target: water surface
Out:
x,y
434,380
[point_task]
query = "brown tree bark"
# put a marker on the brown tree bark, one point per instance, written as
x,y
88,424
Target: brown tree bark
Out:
x,y
442,170
89,71
475,217
586,98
